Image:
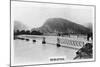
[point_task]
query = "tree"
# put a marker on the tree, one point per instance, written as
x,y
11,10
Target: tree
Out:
x,y
28,32
22,32
34,32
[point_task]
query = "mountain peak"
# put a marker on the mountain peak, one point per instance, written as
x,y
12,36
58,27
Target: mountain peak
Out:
x,y
62,25
19,26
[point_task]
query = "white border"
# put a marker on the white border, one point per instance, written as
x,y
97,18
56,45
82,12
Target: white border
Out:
x,y
72,61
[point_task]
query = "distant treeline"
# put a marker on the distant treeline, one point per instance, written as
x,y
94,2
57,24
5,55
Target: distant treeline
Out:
x,y
27,32
75,33
37,32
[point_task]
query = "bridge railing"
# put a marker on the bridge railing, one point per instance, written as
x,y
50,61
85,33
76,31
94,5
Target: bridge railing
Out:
x,y
72,42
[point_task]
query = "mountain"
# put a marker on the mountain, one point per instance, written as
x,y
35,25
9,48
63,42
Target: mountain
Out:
x,y
89,26
62,25
19,26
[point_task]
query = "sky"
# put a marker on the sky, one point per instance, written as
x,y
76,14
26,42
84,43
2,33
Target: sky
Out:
x,y
35,14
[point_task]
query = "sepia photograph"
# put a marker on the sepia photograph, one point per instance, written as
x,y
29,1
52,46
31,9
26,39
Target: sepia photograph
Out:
x,y
51,33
